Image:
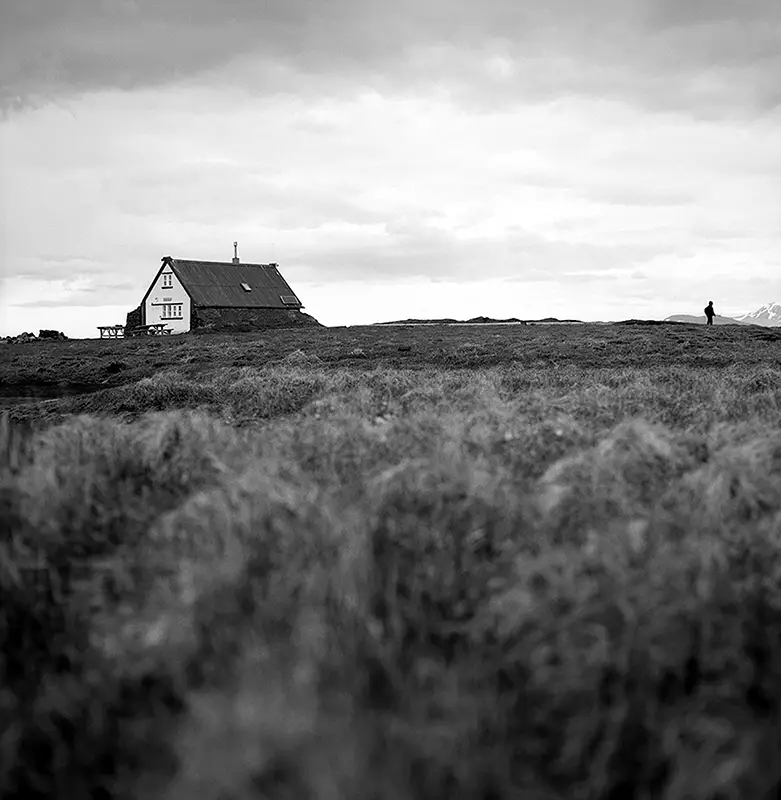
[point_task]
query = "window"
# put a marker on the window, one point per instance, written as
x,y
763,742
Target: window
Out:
x,y
289,300
171,311
168,279
246,287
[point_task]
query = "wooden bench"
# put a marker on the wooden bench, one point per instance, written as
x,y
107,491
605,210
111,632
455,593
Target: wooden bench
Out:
x,y
155,329
111,331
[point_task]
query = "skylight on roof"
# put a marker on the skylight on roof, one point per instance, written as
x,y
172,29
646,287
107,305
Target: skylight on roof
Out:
x,y
289,300
246,287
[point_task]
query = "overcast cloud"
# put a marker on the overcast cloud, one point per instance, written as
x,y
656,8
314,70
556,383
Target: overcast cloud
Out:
x,y
711,56
561,149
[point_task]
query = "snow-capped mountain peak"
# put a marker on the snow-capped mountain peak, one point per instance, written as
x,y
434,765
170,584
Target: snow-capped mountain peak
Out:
x,y
768,314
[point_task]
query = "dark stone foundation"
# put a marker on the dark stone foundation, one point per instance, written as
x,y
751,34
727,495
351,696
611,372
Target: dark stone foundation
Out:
x,y
134,318
247,319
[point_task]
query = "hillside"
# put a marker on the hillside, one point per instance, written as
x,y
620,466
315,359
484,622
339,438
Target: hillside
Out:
x,y
768,316
718,320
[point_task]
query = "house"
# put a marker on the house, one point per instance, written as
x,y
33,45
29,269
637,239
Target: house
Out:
x,y
187,295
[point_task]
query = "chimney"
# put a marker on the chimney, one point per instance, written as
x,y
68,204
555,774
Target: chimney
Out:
x,y
235,253
167,260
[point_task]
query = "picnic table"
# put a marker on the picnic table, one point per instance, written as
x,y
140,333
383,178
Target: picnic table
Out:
x,y
111,331
155,329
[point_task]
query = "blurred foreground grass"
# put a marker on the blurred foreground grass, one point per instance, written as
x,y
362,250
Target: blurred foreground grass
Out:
x,y
295,581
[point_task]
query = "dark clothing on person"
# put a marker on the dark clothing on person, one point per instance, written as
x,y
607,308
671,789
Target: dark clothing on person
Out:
x,y
710,313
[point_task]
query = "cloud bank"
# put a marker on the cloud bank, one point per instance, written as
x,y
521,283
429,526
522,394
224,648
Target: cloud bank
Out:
x,y
710,56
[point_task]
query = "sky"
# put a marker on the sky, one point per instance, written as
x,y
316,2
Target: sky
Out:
x,y
597,160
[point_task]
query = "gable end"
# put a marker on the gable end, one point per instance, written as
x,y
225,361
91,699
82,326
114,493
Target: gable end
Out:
x,y
167,261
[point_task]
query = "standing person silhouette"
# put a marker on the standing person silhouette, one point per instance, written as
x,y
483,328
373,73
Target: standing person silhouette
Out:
x,y
710,313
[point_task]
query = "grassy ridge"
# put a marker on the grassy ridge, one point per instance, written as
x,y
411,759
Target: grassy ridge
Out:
x,y
672,395
100,363
306,580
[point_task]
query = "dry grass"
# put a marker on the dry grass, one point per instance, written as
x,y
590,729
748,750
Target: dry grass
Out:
x,y
317,581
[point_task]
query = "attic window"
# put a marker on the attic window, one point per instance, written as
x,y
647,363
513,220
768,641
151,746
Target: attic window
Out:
x,y
289,299
246,287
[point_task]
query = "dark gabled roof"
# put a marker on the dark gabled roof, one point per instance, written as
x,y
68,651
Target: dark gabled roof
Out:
x,y
218,283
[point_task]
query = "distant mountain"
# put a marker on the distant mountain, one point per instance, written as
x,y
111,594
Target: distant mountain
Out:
x,y
491,320
717,320
768,315
414,321
484,321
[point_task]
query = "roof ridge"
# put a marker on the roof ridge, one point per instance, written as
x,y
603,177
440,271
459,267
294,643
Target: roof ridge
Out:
x,y
228,263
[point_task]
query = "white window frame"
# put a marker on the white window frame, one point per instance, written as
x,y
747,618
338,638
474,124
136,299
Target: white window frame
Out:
x,y
171,311
168,281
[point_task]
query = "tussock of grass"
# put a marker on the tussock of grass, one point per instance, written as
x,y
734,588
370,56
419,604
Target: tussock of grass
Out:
x,y
315,582
621,477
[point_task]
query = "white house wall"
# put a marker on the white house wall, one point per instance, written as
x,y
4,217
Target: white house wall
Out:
x,y
161,296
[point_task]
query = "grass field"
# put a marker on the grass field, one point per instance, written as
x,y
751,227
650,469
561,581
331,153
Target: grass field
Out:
x,y
391,563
